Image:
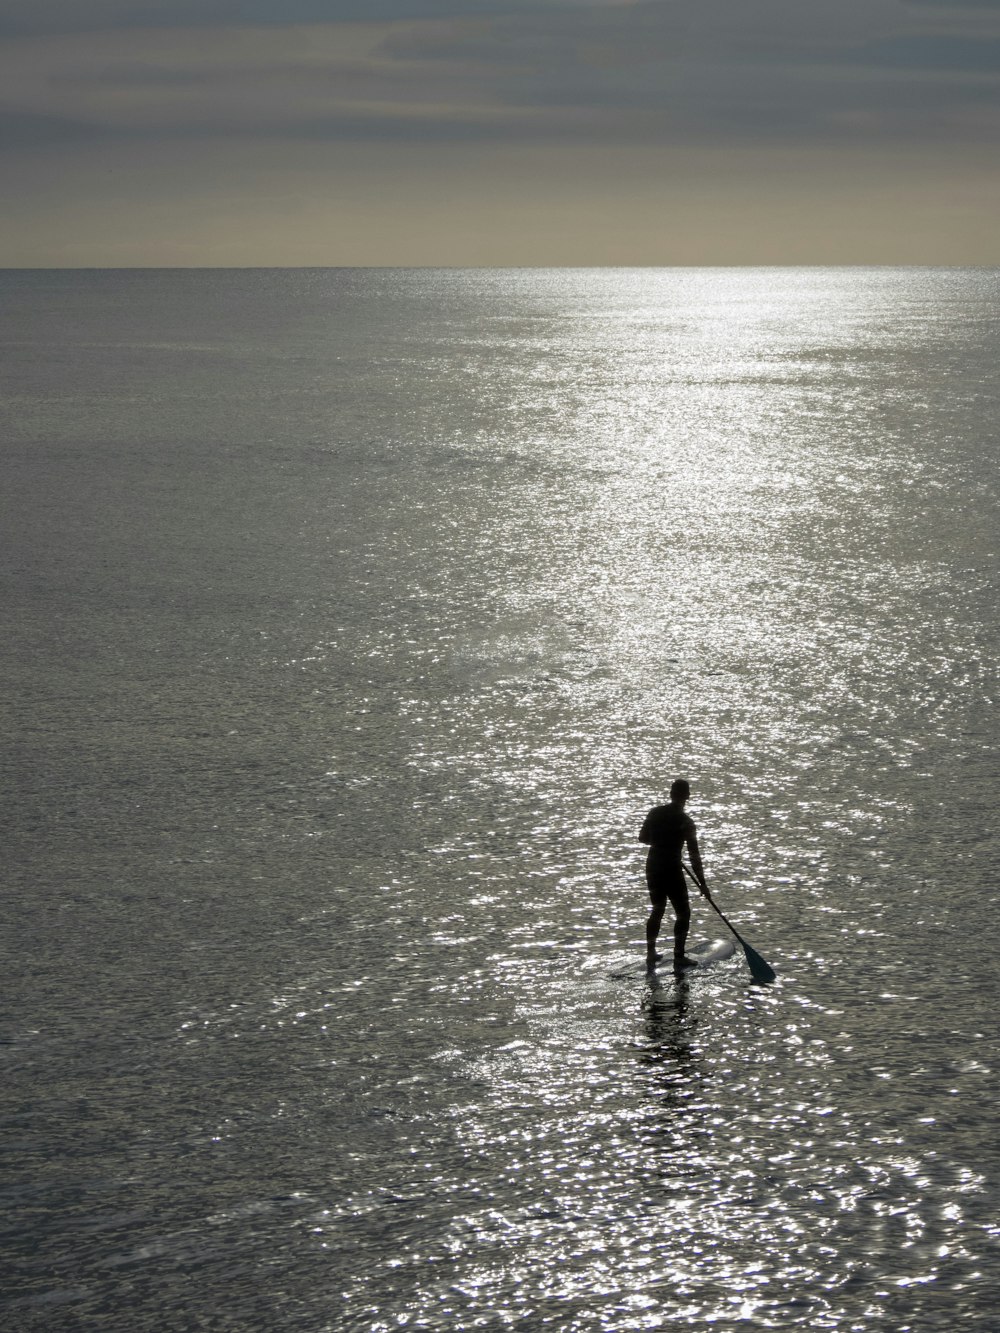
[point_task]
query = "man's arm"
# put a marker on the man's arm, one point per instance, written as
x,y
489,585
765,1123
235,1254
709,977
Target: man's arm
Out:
x,y
695,857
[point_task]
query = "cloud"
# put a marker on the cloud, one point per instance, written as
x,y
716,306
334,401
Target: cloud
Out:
x,y
933,52
715,72
49,17
722,71
334,81
26,130
953,4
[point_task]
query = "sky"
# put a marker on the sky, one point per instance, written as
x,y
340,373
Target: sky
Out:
x,y
499,132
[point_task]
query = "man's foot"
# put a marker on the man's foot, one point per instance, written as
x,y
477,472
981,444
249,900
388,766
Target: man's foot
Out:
x,y
682,964
652,959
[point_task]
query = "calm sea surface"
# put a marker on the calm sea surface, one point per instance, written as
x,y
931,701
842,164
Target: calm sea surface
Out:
x,y
353,620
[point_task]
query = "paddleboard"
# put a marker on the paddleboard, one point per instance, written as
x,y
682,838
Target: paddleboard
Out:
x,y
704,954
714,952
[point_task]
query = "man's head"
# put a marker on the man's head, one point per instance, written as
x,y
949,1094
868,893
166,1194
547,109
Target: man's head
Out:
x,y
680,790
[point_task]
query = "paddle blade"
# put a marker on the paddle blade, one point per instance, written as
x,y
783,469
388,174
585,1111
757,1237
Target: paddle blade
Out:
x,y
760,969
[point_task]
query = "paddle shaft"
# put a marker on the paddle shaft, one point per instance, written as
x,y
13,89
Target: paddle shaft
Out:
x,y
760,967
706,894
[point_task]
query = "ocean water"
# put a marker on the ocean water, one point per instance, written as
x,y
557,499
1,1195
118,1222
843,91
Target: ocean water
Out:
x,y
353,620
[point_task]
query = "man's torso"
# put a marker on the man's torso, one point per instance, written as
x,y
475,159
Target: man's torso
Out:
x,y
666,828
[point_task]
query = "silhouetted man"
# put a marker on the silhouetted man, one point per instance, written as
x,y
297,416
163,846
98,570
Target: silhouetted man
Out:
x,y
668,830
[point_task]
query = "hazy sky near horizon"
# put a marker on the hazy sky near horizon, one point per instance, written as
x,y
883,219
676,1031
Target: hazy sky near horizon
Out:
x,y
163,132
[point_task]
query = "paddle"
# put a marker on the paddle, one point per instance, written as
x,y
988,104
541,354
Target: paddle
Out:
x,y
760,969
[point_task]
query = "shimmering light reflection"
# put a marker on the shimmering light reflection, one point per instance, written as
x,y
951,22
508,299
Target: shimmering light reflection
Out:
x,y
707,564
380,1050
641,1147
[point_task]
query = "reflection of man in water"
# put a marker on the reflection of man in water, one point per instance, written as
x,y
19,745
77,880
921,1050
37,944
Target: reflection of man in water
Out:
x,y
668,830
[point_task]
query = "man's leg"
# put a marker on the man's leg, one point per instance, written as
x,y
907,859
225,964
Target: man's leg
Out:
x,y
681,904
681,927
659,902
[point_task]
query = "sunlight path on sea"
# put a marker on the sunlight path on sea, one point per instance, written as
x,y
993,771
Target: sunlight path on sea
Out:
x,y
414,591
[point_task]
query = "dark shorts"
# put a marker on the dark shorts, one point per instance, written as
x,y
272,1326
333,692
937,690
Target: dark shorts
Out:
x,y
671,885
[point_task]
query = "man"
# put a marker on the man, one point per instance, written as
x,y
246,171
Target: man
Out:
x,y
667,830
